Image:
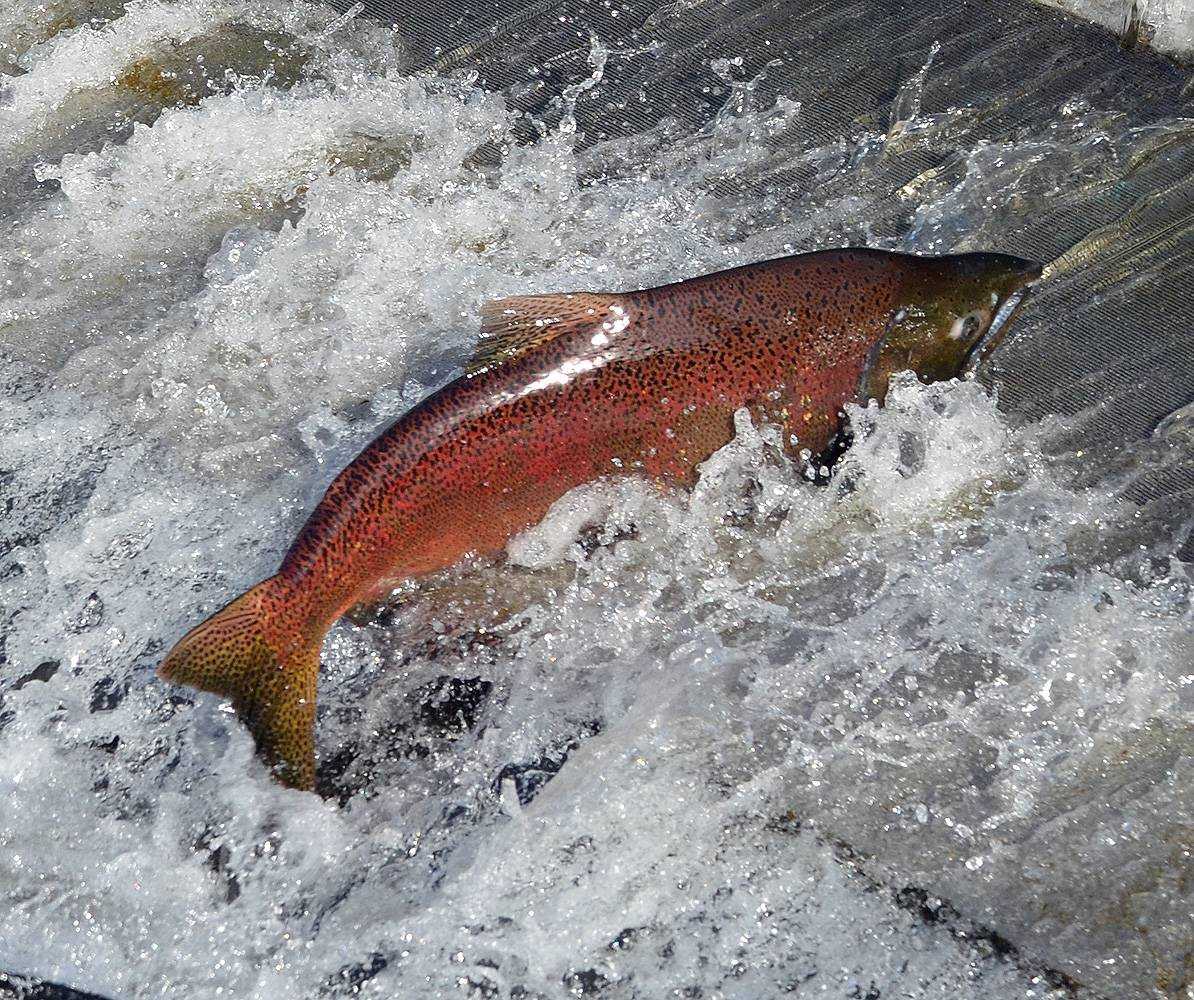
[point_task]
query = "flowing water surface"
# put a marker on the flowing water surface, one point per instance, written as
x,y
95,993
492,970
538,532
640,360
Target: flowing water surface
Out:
x,y
777,737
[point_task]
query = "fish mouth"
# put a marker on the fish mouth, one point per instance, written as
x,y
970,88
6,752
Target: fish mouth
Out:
x,y
993,336
985,345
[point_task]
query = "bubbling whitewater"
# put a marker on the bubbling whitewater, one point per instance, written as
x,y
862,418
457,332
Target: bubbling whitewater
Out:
x,y
776,735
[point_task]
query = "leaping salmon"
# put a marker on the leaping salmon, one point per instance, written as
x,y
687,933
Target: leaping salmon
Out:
x,y
569,388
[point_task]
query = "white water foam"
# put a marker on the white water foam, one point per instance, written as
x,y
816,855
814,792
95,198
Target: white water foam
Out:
x,y
1166,25
675,746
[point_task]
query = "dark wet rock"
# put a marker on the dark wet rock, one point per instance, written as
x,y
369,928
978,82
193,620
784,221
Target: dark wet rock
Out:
x,y
529,777
107,694
585,983
42,672
17,987
451,705
347,982
628,937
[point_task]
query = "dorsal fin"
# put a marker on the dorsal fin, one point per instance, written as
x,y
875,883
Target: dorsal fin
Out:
x,y
512,326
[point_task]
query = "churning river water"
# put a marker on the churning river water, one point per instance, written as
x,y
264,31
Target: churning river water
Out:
x,y
922,731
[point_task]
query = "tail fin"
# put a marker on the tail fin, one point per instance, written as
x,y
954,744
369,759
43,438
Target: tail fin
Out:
x,y
268,672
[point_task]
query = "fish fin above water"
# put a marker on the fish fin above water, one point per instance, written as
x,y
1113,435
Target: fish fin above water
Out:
x,y
274,695
512,326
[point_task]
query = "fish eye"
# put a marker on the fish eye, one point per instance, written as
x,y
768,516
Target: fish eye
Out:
x,y
965,327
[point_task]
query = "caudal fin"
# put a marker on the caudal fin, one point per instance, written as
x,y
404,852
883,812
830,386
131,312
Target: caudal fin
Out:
x,y
269,674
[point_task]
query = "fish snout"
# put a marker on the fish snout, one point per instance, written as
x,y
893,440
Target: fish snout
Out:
x,y
1003,273
1025,271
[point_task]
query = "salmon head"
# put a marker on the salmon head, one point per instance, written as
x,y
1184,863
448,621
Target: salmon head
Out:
x,y
951,313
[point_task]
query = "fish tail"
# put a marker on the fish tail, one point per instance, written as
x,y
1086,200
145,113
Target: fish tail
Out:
x,y
247,653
